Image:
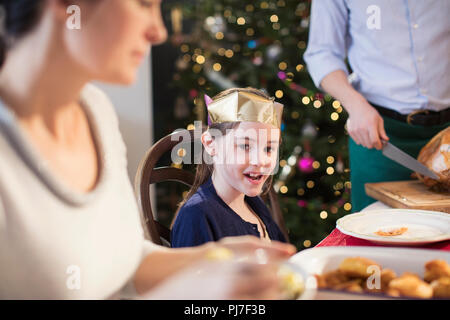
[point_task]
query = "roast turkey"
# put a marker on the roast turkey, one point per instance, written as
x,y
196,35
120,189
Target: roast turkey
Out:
x,y
436,156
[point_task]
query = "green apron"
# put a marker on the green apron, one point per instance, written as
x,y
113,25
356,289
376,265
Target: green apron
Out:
x,y
369,165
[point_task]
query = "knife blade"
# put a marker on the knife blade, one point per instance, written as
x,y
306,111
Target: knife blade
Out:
x,y
401,157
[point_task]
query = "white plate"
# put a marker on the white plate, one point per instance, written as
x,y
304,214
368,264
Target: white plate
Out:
x,y
423,226
324,259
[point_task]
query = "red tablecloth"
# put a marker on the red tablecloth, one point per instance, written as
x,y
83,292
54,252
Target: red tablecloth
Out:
x,y
337,238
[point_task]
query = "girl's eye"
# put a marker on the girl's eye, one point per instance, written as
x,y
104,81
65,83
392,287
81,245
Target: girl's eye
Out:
x,y
244,147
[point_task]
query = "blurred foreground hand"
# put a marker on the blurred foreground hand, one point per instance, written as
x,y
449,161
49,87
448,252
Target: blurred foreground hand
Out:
x,y
234,268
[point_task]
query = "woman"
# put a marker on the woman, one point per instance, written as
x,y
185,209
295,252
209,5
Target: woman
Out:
x,y
69,224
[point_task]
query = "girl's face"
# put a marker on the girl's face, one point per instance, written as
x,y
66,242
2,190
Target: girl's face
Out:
x,y
246,156
115,37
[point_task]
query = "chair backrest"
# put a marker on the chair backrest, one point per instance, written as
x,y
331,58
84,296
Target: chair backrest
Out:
x,y
147,175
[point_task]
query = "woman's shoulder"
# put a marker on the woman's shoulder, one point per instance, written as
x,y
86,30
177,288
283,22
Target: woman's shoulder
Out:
x,y
104,118
94,95
99,105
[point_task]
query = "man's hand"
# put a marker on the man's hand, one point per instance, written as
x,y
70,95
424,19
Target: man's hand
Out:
x,y
365,125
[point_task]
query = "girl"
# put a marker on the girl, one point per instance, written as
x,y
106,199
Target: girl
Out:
x,y
242,142
69,223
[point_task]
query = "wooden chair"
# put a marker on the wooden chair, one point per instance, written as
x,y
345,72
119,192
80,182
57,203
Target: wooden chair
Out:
x,y
147,174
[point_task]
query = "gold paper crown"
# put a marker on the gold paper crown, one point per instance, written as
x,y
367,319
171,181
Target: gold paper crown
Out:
x,y
245,106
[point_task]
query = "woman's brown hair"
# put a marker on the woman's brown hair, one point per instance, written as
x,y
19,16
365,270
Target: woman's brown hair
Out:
x,y
17,18
204,170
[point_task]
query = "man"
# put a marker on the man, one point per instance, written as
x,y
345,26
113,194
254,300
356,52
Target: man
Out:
x,y
398,51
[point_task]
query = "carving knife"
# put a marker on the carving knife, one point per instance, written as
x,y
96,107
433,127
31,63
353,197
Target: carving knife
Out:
x,y
401,157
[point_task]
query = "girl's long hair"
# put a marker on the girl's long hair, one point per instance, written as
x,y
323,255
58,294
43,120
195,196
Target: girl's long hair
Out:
x,y
204,170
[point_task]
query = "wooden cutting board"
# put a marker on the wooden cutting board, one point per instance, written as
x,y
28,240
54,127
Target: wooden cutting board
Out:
x,y
411,194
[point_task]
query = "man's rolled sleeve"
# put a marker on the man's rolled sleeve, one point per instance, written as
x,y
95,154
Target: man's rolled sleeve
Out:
x,y
327,48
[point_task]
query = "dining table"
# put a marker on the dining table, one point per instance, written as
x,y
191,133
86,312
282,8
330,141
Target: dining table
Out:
x,y
337,238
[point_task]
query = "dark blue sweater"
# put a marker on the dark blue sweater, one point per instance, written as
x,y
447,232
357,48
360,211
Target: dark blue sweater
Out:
x,y
206,217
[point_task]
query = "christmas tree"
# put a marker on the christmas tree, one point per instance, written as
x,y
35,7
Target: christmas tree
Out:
x,y
261,44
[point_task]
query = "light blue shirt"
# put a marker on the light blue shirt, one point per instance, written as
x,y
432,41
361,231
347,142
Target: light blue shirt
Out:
x,y
398,50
